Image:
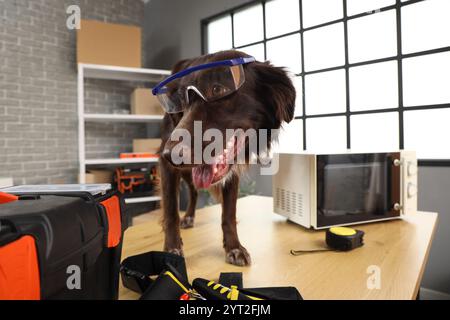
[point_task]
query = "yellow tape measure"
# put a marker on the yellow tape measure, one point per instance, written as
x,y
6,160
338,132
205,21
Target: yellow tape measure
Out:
x,y
338,239
342,231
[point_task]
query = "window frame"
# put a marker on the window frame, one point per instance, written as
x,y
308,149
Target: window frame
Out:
x,y
400,109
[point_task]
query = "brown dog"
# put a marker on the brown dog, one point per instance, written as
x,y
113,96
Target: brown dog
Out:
x,y
264,101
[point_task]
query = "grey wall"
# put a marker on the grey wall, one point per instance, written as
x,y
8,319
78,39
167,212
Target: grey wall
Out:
x,y
173,30
434,195
38,90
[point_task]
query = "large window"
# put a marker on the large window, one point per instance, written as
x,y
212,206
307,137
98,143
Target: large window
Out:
x,y
370,75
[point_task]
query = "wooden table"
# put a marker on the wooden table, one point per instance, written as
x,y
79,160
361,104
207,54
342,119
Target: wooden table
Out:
x,y
398,248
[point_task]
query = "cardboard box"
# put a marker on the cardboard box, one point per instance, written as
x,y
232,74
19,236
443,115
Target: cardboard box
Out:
x,y
145,103
146,145
109,44
99,176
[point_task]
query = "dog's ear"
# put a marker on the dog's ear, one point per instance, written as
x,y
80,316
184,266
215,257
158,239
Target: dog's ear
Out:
x,y
276,89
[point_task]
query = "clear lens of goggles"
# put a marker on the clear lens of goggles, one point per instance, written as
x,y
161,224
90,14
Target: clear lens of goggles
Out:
x,y
209,84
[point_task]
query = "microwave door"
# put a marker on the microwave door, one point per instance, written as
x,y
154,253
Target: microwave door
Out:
x,y
377,198
355,188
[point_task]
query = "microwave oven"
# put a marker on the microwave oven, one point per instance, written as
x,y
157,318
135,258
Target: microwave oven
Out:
x,y
323,190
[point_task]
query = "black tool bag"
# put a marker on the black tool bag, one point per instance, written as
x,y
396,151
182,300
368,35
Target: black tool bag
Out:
x,y
163,276
65,246
137,271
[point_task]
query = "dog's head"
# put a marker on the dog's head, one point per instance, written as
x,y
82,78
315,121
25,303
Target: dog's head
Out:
x,y
265,100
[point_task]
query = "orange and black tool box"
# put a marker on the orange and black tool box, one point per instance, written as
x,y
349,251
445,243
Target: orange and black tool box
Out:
x,y
60,246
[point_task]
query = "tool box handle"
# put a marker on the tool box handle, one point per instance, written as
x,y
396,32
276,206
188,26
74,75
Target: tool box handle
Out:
x,y
8,232
7,197
36,195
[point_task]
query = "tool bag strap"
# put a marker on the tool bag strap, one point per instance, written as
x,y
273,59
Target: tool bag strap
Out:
x,y
172,281
229,279
136,270
211,290
274,293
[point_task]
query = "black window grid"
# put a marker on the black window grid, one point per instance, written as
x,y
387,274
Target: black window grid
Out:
x,y
400,109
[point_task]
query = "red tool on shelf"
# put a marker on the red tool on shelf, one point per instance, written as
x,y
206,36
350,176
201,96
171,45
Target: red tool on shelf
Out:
x,y
139,180
138,155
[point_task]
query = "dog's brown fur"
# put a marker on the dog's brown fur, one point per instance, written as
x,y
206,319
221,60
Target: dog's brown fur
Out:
x,y
265,100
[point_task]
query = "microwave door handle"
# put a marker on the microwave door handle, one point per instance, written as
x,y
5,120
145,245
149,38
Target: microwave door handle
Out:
x,y
397,206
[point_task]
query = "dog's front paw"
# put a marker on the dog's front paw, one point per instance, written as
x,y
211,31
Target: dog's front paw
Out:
x,y
187,222
177,251
238,257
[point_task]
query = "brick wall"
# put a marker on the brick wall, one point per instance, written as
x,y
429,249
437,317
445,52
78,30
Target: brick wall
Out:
x,y
38,90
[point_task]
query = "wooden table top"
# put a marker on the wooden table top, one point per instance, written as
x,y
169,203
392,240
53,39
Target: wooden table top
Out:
x,y
399,248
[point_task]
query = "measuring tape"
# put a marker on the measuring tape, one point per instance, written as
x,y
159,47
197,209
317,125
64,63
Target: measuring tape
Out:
x,y
338,239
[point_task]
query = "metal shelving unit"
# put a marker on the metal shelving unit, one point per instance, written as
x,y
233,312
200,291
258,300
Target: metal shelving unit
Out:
x,y
120,161
92,117
142,199
93,71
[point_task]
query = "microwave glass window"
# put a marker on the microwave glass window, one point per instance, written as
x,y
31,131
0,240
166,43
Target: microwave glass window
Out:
x,y
356,187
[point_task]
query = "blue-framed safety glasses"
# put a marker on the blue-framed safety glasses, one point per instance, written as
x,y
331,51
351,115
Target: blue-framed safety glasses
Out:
x,y
210,82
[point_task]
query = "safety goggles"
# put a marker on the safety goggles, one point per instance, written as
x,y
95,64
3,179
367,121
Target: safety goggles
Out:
x,y
210,82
